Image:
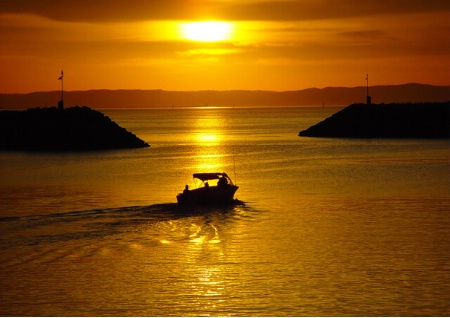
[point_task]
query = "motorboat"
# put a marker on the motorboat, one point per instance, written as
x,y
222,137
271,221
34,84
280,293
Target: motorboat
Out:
x,y
220,193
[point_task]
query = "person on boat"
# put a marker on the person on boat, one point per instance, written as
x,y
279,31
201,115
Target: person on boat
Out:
x,y
222,182
186,189
206,184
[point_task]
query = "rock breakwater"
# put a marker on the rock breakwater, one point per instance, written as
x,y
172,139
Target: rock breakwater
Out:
x,y
419,120
71,129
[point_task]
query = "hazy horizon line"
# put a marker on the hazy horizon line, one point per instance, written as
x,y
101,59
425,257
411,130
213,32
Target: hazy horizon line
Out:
x,y
220,90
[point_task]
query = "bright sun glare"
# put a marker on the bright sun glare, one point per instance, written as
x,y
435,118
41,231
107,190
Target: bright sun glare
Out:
x,y
208,31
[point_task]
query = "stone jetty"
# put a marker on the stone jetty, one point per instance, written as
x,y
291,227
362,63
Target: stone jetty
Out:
x,y
419,120
70,129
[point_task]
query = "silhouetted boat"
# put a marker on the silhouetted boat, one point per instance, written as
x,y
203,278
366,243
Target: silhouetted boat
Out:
x,y
219,194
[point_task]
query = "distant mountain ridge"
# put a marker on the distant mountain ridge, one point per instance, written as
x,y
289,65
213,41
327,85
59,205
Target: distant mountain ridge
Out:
x,y
329,96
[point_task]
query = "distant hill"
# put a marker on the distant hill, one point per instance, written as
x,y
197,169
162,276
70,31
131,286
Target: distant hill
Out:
x,y
329,96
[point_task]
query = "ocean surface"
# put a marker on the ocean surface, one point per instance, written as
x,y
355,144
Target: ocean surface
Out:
x,y
329,227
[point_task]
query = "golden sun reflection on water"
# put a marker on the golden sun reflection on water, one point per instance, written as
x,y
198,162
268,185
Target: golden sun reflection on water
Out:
x,y
205,244
208,136
199,247
208,130
208,162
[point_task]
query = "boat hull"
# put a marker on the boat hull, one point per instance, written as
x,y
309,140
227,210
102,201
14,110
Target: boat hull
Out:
x,y
208,196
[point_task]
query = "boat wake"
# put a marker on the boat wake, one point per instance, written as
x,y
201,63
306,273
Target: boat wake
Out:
x,y
100,223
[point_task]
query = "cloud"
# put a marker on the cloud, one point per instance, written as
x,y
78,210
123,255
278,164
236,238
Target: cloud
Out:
x,y
365,34
262,10
328,9
209,51
102,11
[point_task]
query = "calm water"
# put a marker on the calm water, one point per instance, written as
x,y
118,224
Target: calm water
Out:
x,y
329,226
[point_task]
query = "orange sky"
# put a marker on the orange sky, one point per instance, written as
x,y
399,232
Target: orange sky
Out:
x,y
272,45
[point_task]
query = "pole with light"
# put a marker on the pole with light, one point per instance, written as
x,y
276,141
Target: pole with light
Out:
x,y
61,102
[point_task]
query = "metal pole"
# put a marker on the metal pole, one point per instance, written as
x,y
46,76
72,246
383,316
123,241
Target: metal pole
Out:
x,y
62,86
234,168
367,80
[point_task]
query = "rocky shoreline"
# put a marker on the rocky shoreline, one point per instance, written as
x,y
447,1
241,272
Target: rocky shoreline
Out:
x,y
419,120
72,129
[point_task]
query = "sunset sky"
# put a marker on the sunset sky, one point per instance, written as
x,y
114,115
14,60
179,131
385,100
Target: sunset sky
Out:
x,y
252,44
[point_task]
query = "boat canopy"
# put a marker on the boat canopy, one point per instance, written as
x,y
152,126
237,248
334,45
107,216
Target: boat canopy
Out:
x,y
210,176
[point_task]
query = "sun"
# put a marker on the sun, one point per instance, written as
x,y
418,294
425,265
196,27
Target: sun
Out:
x,y
207,31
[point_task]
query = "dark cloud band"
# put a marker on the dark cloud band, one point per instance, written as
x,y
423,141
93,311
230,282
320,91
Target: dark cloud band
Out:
x,y
137,10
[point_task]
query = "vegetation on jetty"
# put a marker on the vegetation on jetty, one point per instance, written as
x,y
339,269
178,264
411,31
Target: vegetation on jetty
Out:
x,y
420,120
71,129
